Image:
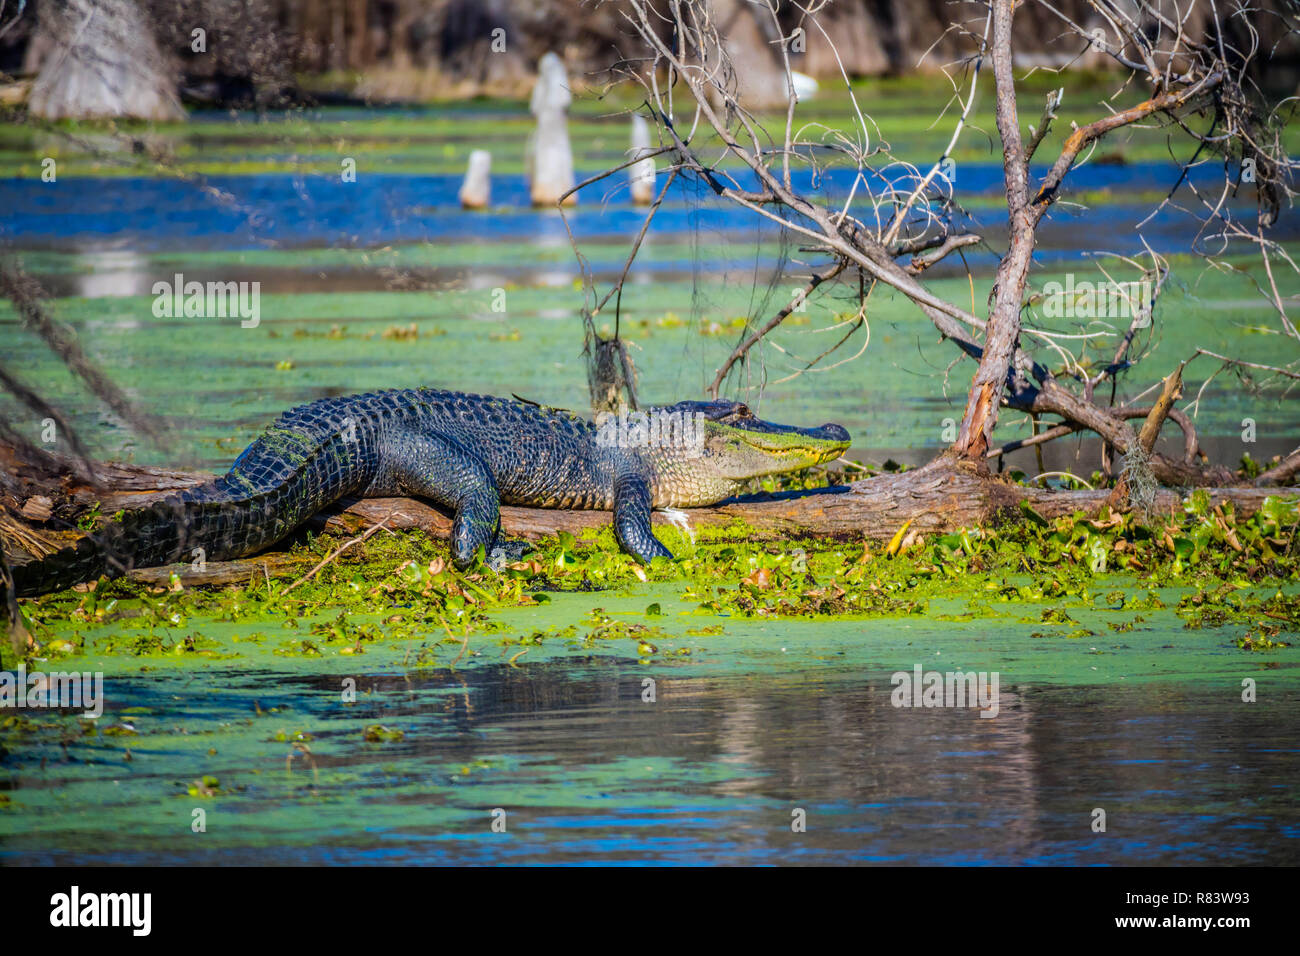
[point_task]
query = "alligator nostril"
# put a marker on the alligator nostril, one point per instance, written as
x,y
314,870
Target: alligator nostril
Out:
x,y
835,432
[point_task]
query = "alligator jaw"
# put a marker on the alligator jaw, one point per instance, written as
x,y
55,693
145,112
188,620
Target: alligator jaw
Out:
x,y
733,447
741,453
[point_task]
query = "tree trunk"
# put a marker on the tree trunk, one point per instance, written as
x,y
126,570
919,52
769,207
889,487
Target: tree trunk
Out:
x,y
104,64
359,40
1003,330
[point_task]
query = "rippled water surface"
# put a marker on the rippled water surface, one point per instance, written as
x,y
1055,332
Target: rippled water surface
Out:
x,y
746,728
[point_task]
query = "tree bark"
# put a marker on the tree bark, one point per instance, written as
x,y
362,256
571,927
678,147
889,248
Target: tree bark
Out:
x,y
1280,472
1001,335
104,64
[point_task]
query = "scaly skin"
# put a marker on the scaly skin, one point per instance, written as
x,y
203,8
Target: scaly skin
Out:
x,y
467,453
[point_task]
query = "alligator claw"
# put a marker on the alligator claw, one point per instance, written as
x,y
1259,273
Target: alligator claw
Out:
x,y
507,550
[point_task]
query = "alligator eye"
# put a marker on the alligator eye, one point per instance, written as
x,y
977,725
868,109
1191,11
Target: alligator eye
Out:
x,y
743,411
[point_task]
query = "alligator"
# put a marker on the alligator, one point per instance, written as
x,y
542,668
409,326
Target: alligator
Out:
x,y
466,453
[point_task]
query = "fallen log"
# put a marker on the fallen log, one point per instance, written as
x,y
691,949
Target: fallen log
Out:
x,y
219,573
940,497
944,495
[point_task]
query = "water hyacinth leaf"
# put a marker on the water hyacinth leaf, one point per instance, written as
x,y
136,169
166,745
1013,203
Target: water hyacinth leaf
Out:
x,y
950,543
1277,513
1032,515
1097,551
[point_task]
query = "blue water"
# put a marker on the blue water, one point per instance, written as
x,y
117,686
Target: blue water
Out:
x,y
284,210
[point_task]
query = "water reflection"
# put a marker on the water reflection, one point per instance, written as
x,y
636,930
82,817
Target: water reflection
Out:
x,y
110,272
712,771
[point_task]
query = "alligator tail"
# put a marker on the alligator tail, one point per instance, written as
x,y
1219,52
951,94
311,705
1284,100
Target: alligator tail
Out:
x,y
203,524
307,460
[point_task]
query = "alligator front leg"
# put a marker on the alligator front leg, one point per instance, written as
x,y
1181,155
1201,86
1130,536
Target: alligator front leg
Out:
x,y
632,519
430,466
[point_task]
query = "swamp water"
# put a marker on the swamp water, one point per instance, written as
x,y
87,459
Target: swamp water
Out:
x,y
751,721
386,282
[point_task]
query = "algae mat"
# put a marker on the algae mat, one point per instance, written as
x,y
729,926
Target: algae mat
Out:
x,y
241,748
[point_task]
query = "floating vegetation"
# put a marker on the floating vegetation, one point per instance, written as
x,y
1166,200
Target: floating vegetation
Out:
x,y
400,588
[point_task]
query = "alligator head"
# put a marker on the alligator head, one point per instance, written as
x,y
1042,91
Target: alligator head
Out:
x,y
730,446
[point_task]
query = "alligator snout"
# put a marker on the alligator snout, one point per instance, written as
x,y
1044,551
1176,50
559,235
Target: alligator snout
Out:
x,y
830,431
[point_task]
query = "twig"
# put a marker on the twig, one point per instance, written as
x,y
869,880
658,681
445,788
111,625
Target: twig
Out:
x,y
463,648
745,346
339,550
1062,474
1282,471
1169,393
922,262
1045,123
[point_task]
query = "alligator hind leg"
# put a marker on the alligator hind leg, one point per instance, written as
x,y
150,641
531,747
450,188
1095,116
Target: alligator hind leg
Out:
x,y
632,519
430,466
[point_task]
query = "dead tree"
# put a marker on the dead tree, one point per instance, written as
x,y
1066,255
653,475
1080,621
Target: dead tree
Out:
x,y
691,91
104,63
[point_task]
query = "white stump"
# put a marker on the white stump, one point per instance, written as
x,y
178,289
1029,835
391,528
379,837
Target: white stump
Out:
x,y
476,191
550,159
805,87
641,174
